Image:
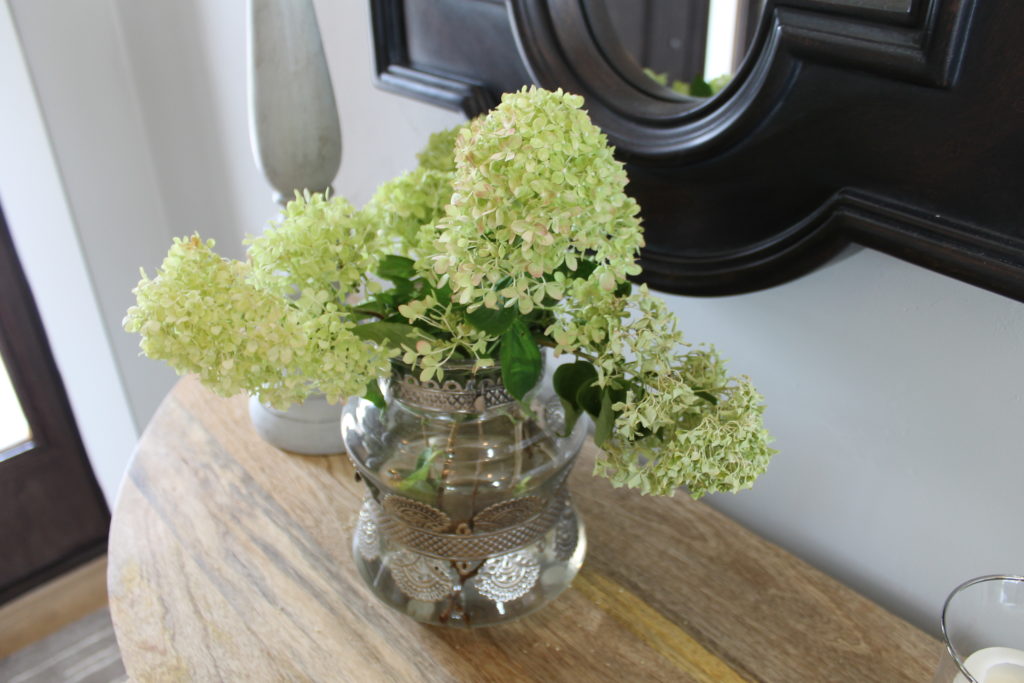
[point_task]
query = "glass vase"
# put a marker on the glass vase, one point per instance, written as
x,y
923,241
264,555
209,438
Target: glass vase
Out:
x,y
468,519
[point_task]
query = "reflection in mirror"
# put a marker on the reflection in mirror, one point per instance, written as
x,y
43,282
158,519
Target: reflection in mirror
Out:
x,y
675,48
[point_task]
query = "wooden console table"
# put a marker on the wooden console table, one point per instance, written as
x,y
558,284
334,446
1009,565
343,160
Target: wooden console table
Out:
x,y
229,560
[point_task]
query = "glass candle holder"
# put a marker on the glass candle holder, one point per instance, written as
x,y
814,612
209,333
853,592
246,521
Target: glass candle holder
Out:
x,y
983,631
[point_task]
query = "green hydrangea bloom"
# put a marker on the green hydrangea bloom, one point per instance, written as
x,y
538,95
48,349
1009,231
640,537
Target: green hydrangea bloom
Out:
x,y
336,361
201,314
702,446
536,189
683,420
402,207
439,154
321,244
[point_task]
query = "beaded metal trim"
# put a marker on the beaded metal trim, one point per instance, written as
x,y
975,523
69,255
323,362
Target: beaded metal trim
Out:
x,y
509,577
476,394
567,534
422,578
416,525
366,531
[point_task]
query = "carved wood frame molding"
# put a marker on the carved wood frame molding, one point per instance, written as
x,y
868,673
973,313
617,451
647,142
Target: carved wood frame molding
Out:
x,y
396,72
557,42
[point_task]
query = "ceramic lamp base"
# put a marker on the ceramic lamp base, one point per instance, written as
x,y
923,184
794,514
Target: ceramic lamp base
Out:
x,y
307,428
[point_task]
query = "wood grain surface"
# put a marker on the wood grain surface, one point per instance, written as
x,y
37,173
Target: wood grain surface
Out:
x,y
229,560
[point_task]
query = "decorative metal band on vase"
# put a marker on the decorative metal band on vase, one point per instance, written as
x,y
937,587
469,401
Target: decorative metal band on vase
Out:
x,y
499,536
479,391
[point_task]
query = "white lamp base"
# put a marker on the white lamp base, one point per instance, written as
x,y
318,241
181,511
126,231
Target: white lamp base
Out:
x,y
312,427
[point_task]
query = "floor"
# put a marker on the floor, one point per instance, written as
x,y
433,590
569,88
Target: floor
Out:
x,y
85,651
61,631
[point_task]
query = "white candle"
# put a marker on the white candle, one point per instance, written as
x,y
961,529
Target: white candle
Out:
x,y
995,665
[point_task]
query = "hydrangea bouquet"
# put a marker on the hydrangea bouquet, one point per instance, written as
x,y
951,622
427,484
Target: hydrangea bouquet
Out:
x,y
513,234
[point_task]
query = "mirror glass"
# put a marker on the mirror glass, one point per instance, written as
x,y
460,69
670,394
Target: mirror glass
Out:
x,y
675,49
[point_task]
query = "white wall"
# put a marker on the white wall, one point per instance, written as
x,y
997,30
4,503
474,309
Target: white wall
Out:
x,y
43,226
142,124
893,392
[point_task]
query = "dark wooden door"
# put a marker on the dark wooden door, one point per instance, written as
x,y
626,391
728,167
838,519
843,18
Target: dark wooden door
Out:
x,y
52,512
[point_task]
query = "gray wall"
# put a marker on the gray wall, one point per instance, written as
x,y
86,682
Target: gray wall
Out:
x,y
894,393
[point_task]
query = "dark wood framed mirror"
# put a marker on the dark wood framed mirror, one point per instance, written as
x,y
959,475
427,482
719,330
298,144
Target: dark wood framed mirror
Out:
x,y
895,124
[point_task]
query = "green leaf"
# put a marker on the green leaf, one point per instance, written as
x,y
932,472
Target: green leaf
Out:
x,y
396,268
568,380
495,322
571,377
403,291
417,479
584,268
520,360
617,393
418,490
710,398
425,457
589,398
373,307
572,416
523,485
700,88
605,420
444,294
392,335
387,302
373,394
